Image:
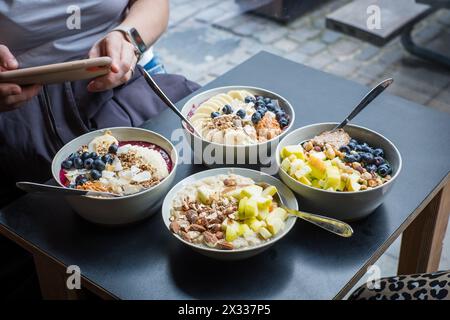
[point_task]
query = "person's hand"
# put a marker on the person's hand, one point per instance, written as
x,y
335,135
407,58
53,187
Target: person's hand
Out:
x,y
13,95
124,60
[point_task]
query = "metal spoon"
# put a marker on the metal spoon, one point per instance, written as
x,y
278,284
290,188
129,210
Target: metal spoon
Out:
x,y
168,102
335,226
368,98
33,187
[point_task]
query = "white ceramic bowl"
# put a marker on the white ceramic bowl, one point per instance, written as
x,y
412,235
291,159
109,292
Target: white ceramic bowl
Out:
x,y
232,155
237,254
341,205
126,209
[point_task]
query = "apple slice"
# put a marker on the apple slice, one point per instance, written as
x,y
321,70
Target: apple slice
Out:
x,y
333,179
241,208
274,224
255,224
286,164
269,191
264,233
232,231
251,191
251,208
352,183
295,150
263,213
279,213
204,195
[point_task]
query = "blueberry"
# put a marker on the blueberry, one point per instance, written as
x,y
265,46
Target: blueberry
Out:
x,y
227,109
384,170
350,158
241,113
99,165
93,155
256,117
78,163
95,174
88,163
378,152
345,149
357,157
85,155
367,157
67,164
283,122
260,103
107,158
365,148
351,145
378,161
371,168
113,148
215,114
262,110
80,180
358,147
249,99
280,114
354,141
271,107
267,100
73,156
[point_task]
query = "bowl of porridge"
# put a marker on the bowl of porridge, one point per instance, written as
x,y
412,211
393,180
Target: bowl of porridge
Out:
x,y
136,165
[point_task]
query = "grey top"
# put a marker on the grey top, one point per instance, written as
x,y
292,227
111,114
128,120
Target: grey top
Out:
x,y
46,31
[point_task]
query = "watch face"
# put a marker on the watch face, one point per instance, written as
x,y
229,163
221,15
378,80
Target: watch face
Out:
x,y
138,40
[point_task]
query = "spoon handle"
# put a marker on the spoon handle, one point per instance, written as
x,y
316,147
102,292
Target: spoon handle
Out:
x,y
368,98
335,226
167,101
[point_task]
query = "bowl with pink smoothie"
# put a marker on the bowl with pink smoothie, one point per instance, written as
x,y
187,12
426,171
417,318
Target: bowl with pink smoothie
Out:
x,y
136,165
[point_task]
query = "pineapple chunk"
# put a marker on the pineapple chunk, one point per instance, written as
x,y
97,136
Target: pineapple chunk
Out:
x,y
265,233
274,224
269,191
295,150
333,179
305,181
251,191
296,165
251,208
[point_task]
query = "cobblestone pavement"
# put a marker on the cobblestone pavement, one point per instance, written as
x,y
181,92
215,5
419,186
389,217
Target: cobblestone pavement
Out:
x,y
206,38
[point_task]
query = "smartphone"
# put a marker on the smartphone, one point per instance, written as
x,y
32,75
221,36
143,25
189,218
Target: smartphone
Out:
x,y
58,72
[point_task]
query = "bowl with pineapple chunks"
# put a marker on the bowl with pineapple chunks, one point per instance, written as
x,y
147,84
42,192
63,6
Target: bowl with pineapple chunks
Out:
x,y
345,174
224,214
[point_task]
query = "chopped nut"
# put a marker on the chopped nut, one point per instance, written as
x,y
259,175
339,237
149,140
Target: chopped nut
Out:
x,y
366,176
197,227
363,187
220,235
229,182
174,227
215,227
317,148
308,146
329,152
185,236
191,216
372,183
210,239
225,245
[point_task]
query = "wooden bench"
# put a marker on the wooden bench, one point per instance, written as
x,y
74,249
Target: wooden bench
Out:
x,y
398,18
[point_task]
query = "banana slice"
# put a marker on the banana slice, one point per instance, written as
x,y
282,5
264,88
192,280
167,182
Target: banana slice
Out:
x,y
205,109
237,94
199,116
226,97
101,144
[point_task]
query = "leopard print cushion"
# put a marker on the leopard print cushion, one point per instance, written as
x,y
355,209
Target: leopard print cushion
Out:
x,y
429,286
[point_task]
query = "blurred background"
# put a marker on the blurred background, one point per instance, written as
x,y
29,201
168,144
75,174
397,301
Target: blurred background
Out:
x,y
206,38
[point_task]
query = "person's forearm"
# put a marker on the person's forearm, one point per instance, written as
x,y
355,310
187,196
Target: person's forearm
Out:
x,y
149,17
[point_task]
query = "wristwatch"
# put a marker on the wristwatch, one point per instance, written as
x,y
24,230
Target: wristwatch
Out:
x,y
133,36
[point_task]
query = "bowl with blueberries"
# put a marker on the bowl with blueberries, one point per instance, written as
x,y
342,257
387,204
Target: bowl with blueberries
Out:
x,y
345,173
132,168
237,125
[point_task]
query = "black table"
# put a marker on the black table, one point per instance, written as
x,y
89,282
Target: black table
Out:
x,y
143,261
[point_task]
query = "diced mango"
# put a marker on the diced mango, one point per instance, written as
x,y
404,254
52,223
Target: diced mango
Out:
x,y
295,150
318,167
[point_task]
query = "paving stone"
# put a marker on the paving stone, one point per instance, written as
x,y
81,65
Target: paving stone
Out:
x,y
311,47
401,90
303,34
330,37
392,56
427,33
285,45
271,33
368,52
297,57
321,60
249,28
344,47
343,68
